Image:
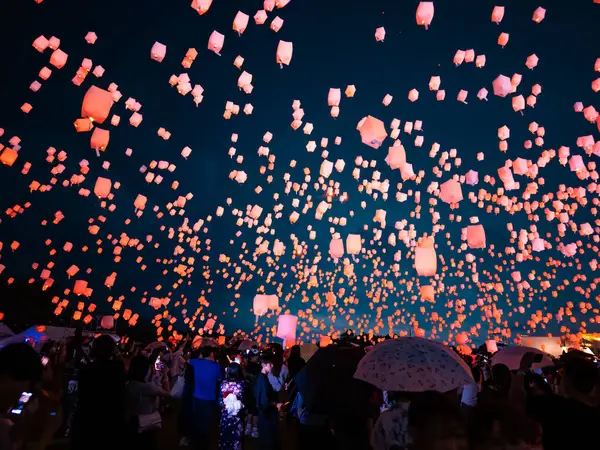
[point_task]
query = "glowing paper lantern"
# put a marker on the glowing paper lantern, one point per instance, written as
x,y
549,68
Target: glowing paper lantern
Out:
x,y
158,51
476,236
491,346
240,22
285,50
286,327
497,14
261,305
215,42
372,131
424,15
107,322
336,248
353,244
96,104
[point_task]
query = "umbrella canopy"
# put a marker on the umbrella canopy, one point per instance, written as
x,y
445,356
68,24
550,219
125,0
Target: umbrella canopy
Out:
x,y
327,385
412,364
307,351
511,357
155,345
5,331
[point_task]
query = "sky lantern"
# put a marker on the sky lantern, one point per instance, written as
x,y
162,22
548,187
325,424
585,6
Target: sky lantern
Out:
x,y
462,96
459,57
41,44
107,322
413,95
380,34
58,58
426,259
518,103
372,131
215,42
476,236
451,192
202,6
482,94
91,38
424,15
472,178
140,202
99,139
502,86
350,91
158,51
396,157
434,83
539,14
334,96
102,187
427,293
532,61
286,327
261,305
96,104
503,39
260,17
497,14
285,50
240,22
353,244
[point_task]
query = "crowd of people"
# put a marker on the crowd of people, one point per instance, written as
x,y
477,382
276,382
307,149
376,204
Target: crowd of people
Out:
x,y
107,398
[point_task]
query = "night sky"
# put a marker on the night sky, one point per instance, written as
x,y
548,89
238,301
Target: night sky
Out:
x,y
334,46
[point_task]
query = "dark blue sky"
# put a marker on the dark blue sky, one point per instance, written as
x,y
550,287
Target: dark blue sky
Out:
x,y
334,46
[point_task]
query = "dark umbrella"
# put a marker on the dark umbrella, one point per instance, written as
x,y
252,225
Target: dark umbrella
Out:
x,y
327,383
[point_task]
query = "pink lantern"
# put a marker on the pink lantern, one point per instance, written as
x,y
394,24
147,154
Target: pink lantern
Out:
x,y
215,42
336,248
380,34
476,236
396,157
413,95
334,96
102,187
491,346
497,14
425,261
502,86
96,104
261,305
538,15
462,96
424,15
472,178
427,293
260,17
285,50
353,244
107,322
451,192
99,140
532,61
503,39
482,94
459,57
372,131
286,327
434,83
480,61
158,51
240,22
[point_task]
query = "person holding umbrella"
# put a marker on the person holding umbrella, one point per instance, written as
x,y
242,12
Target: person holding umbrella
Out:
x,y
268,408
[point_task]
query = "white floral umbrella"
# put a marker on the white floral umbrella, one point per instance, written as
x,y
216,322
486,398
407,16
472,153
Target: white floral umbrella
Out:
x,y
511,357
412,364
